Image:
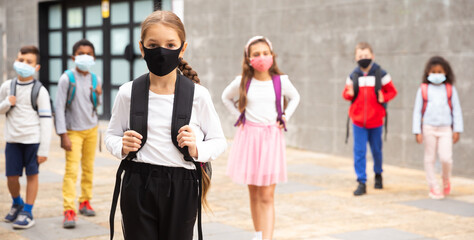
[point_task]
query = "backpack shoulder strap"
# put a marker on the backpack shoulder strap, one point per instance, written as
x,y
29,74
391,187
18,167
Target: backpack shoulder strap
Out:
x,y
94,87
449,92
378,81
139,109
182,108
71,91
355,84
424,96
13,87
277,87
34,94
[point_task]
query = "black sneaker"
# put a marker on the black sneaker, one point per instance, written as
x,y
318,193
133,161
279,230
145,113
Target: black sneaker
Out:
x,y
361,189
378,181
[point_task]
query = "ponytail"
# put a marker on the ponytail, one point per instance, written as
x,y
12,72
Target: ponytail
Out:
x,y
206,184
188,71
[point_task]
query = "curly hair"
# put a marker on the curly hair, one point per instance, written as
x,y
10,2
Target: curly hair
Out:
x,y
437,60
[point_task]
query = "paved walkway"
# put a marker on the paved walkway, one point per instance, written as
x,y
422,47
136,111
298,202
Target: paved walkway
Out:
x,y
316,203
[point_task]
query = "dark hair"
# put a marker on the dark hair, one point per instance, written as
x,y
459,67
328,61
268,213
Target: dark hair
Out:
x,y
82,42
437,60
31,49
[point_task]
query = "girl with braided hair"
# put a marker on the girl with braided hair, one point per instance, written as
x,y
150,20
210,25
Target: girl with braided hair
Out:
x,y
159,196
258,154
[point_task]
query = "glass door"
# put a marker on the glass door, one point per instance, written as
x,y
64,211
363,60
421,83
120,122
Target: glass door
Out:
x,y
115,39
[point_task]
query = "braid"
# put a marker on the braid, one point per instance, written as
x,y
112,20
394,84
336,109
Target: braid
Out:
x,y
188,71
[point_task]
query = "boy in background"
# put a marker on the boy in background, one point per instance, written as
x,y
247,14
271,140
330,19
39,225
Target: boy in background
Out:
x,y
27,133
76,124
369,88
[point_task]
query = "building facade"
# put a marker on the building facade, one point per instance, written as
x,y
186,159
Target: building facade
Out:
x,y
314,41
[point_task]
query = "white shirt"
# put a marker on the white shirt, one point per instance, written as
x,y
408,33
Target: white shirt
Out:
x,y
24,124
261,107
159,149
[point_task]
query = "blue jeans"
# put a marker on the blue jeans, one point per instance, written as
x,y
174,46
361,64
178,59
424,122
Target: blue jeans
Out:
x,y
361,137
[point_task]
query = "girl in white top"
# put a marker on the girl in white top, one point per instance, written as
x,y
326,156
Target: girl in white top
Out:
x,y
257,157
159,197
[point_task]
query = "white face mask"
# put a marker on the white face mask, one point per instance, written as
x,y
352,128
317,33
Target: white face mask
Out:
x,y
436,78
23,69
84,62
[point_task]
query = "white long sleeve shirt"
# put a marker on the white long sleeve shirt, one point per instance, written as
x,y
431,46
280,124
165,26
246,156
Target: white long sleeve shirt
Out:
x,y
261,106
80,115
24,124
159,149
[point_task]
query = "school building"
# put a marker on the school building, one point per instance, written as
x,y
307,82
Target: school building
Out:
x,y
314,41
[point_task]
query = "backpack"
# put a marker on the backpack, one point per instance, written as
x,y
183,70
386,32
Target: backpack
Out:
x,y
71,91
378,86
182,107
34,91
424,95
277,87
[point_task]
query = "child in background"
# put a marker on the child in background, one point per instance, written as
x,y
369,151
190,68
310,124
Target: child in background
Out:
x,y
27,133
76,124
367,112
258,154
437,121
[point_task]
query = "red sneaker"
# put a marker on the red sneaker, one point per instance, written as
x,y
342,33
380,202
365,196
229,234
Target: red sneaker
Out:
x,y
69,219
86,209
447,188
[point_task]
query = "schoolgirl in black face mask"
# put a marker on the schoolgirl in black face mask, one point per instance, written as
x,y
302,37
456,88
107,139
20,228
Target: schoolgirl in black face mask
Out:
x,y
161,185
161,61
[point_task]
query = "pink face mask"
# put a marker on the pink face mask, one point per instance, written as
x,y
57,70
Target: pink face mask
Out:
x,y
262,63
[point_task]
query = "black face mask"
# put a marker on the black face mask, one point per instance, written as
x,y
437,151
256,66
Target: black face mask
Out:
x,y
161,61
364,63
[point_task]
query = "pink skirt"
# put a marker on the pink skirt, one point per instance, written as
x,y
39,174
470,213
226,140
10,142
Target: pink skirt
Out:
x,y
258,155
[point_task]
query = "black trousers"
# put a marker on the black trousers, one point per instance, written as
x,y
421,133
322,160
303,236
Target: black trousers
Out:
x,y
158,202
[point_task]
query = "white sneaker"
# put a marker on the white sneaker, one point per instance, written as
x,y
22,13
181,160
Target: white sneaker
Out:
x,y
258,236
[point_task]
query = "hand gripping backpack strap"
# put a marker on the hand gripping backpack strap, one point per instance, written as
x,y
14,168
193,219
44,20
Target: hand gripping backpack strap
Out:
x,y
241,118
182,109
12,91
277,87
138,123
355,86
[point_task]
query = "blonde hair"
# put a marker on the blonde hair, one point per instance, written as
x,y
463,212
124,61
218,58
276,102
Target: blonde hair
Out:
x,y
364,45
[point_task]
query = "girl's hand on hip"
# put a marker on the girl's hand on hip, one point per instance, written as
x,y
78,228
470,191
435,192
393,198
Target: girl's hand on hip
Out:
x,y
281,125
419,138
187,138
131,141
456,137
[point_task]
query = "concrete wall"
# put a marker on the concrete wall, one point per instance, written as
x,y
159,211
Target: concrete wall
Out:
x,y
21,26
315,40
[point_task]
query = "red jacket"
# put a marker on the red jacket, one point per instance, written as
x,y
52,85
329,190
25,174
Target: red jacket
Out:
x,y
366,111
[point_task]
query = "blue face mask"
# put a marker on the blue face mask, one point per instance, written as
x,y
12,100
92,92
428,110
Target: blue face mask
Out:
x,y
436,78
23,69
84,62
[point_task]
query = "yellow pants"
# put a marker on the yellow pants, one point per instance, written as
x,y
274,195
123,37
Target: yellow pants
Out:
x,y
83,150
